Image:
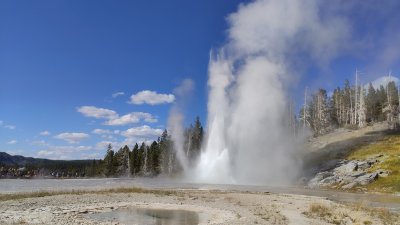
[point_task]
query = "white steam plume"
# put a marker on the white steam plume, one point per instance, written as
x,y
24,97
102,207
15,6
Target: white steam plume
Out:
x,y
247,139
176,118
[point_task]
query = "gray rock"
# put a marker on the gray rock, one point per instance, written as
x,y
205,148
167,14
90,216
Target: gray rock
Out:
x,y
363,165
347,168
367,178
357,174
315,182
328,181
346,180
382,173
348,174
349,185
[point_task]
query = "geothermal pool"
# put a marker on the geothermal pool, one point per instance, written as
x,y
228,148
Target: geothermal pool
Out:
x,y
8,186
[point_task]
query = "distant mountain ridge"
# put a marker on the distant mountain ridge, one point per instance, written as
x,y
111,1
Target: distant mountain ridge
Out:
x,y
18,160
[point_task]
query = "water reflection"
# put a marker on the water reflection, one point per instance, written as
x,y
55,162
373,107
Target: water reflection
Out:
x,y
148,216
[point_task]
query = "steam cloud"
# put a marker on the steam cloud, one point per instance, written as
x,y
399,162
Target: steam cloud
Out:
x,y
176,117
248,141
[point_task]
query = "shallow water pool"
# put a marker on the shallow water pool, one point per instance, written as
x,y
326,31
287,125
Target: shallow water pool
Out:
x,y
148,216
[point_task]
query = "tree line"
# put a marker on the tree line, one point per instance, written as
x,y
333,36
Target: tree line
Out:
x,y
159,157
351,106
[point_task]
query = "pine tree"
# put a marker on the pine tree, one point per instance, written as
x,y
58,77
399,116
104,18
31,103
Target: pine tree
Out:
x,y
196,139
135,160
371,104
109,161
155,159
167,153
141,158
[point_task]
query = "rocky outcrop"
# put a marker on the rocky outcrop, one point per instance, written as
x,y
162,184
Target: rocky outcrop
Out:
x,y
348,174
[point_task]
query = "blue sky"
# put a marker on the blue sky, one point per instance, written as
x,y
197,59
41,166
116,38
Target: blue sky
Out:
x,y
57,57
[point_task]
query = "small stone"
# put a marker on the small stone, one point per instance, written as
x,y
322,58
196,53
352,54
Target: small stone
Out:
x,y
382,173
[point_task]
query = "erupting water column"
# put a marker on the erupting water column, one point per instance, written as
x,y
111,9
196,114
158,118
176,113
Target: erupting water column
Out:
x,y
248,139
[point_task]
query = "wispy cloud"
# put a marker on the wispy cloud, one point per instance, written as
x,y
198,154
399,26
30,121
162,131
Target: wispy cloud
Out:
x,y
11,127
116,94
98,113
102,145
383,80
72,138
12,142
40,143
64,152
101,131
7,126
45,133
151,98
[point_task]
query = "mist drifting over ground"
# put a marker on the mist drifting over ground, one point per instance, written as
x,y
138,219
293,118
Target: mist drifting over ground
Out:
x,y
248,141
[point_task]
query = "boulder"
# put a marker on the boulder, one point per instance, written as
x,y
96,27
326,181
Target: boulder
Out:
x,y
347,168
367,178
363,165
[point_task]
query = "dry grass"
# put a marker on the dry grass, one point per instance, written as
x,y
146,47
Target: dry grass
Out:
x,y
390,148
319,210
325,213
6,197
354,214
383,214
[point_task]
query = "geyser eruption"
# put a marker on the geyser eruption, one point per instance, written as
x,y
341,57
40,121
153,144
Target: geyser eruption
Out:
x,y
247,137
175,120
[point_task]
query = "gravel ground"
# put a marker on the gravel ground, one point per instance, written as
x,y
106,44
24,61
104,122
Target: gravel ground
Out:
x,y
214,207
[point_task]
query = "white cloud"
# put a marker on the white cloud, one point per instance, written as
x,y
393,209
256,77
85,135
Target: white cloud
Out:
x,y
137,140
64,152
40,143
116,94
142,131
92,111
12,142
114,118
133,117
383,81
72,137
44,153
11,127
101,131
8,126
96,155
45,133
102,145
106,136
151,98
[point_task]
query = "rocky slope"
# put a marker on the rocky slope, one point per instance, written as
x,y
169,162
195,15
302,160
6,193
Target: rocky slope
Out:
x,y
327,163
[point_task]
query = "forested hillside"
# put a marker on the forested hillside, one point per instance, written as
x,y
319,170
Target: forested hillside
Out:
x,y
351,106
